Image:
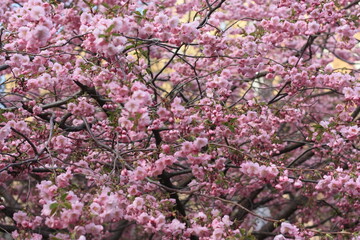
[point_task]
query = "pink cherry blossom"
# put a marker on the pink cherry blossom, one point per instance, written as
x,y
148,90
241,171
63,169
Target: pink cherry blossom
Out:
x,y
179,119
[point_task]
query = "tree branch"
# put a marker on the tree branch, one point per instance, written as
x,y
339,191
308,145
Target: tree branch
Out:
x,y
207,17
284,214
27,139
4,67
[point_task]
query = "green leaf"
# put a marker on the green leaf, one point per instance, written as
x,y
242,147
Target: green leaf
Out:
x,y
54,238
144,53
218,181
102,36
319,137
90,5
329,236
54,205
148,71
63,197
129,47
110,28
138,116
317,126
53,2
67,205
230,126
106,5
332,124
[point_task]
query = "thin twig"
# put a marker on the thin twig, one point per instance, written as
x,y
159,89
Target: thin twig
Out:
x,y
28,140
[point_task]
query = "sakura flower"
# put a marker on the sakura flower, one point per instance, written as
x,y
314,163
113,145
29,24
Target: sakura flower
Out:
x,y
163,113
4,132
226,220
132,105
20,217
189,32
313,27
47,189
95,208
217,234
174,21
176,107
298,184
199,230
349,93
94,229
41,34
138,203
287,228
63,179
200,142
160,221
279,237
144,218
23,33
187,147
275,21
161,18
37,12
140,173
176,226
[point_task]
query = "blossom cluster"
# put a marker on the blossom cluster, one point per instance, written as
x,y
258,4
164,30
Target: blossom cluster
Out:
x,y
183,120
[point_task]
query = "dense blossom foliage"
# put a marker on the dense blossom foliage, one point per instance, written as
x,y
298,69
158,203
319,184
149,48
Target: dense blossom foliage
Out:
x,y
165,119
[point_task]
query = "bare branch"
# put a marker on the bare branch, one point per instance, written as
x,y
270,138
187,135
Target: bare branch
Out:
x,y
4,67
27,139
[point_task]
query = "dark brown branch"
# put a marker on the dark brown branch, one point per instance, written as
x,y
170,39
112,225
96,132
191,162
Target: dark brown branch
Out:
x,y
289,148
93,94
355,113
119,230
16,164
45,170
284,214
177,173
268,234
307,45
46,116
324,203
68,41
27,139
4,67
302,158
207,17
13,205
351,4
167,64
14,1
157,137
7,228
45,232
61,102
247,203
165,180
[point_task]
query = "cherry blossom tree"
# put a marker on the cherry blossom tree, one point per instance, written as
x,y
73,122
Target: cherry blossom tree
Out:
x,y
165,119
